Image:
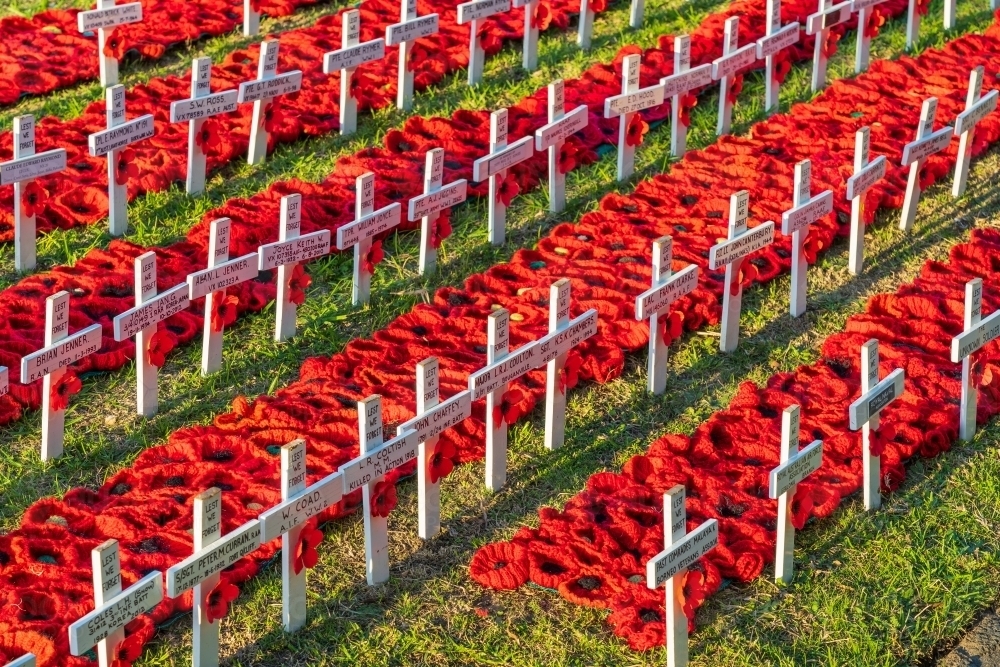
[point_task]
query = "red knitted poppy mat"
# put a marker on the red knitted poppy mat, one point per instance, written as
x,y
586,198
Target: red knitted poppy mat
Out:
x,y
102,281
47,51
45,564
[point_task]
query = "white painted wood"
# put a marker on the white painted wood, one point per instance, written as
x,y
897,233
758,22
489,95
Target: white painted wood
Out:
x,y
819,24
427,207
376,527
732,298
367,224
293,586
410,28
630,84
106,17
529,49
795,222
346,60
950,11
865,176
251,19
24,661
4,380
771,87
428,493
730,44
147,393
473,13
497,216
585,29
117,194
106,623
636,12
965,126
862,52
920,150
218,253
497,349
106,566
261,91
53,421
555,396
677,85
20,171
912,24
557,180
976,333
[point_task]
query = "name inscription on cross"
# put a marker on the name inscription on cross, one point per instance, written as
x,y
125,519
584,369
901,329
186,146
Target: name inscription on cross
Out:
x,y
819,25
492,382
494,166
348,58
677,86
866,175
795,222
862,51
428,206
202,104
61,349
368,223
626,106
20,172
473,13
733,59
775,39
404,34
284,255
151,308
262,91
213,553
915,153
864,412
732,253
299,503
668,568
553,135
783,481
433,418
212,283
106,17
110,142
976,108
977,332
654,304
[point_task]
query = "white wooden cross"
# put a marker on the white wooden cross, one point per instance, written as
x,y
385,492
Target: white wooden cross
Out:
x,y
976,108
912,24
433,418
795,222
261,91
20,172
864,414
529,50
625,106
106,17
654,304
819,24
585,31
428,206
491,382
221,274
150,309
915,153
367,224
733,59
377,459
552,136
27,660
553,348
473,13
4,381
677,85
636,12
348,58
202,104
776,38
251,19
866,175
862,52
668,568
114,608
410,28
61,349
795,466
299,503
731,253
977,333
110,142
494,166
284,255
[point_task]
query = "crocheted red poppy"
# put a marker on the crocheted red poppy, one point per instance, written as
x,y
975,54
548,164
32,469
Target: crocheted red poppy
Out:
x,y
874,23
441,229
441,462
508,410
273,116
63,389
373,258
569,376
305,550
568,153
923,6
542,17
636,131
125,167
782,65
128,651
507,188
745,274
830,45
207,137
217,604
879,438
33,198
298,283
597,6
671,326
114,44
224,310
383,498
502,566
160,345
489,39
688,103
735,88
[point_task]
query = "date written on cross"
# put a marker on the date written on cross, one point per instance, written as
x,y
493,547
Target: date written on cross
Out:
x,y
497,375
564,340
62,354
117,613
368,467
300,249
680,556
224,275
154,311
281,518
220,555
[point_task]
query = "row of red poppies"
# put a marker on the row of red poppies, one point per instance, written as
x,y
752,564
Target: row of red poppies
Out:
x,y
147,507
47,51
102,281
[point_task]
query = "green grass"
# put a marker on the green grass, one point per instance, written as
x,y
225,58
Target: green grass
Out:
x,y
872,589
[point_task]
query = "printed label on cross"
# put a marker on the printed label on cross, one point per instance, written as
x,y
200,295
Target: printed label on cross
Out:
x,y
107,16
473,13
348,58
668,568
866,175
551,136
864,412
20,172
410,28
795,222
150,309
625,106
653,304
494,167
731,253
915,153
977,333
678,86
367,224
976,108
795,466
819,25
776,38
428,206
262,91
